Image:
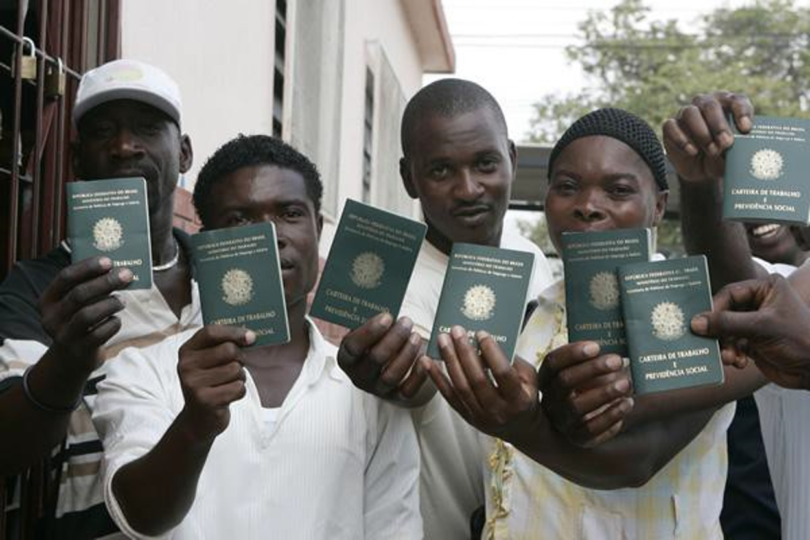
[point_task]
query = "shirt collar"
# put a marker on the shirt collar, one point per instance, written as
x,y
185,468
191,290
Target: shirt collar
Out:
x,y
321,357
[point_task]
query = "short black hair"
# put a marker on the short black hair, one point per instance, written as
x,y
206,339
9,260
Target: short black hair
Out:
x,y
447,98
250,151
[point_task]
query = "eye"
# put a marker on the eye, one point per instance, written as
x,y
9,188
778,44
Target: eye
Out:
x,y
621,190
236,219
292,214
564,186
150,127
439,172
488,165
101,130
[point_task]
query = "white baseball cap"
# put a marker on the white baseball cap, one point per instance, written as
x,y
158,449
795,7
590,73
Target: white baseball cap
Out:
x,y
127,79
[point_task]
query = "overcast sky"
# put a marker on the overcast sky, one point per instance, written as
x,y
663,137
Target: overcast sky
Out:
x,y
515,48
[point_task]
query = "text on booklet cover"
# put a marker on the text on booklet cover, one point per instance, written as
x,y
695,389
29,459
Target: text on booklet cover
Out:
x,y
659,300
239,275
484,289
766,172
111,218
369,265
592,299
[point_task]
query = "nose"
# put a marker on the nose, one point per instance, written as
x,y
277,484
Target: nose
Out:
x,y
588,207
281,237
126,144
467,187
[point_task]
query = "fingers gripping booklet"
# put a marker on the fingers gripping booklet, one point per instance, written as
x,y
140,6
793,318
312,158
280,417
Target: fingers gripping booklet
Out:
x,y
484,289
369,265
111,218
239,274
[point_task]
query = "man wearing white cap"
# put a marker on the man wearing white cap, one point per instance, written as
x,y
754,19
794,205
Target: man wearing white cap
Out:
x,y
59,321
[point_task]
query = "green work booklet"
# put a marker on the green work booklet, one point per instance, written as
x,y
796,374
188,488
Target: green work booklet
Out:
x,y
239,275
484,289
766,173
369,265
659,300
592,299
111,218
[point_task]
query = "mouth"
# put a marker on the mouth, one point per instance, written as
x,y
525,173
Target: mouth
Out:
x,y
768,230
286,265
472,215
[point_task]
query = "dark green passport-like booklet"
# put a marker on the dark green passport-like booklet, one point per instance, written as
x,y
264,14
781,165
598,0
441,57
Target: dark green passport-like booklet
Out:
x,y
659,300
484,289
111,218
240,280
369,265
592,299
766,173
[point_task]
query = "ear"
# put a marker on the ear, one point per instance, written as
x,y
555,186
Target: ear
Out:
x,y
660,206
407,180
186,153
513,157
319,225
75,161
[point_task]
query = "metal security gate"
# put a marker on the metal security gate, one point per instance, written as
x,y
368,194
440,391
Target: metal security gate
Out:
x,y
69,36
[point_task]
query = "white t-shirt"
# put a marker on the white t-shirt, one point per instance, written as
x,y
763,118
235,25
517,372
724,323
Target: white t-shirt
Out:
x,y
783,417
337,463
451,479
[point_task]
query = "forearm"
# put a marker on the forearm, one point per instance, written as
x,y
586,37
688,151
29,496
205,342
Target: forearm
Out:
x,y
36,432
628,460
739,383
156,491
723,242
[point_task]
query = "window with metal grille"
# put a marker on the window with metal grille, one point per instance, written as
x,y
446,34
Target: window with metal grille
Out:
x,y
278,71
368,136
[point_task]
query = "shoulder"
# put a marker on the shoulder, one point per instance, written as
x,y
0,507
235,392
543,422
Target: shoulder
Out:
x,y
147,366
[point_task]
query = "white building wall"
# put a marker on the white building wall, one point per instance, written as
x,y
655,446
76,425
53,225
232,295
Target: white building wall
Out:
x,y
221,55
367,21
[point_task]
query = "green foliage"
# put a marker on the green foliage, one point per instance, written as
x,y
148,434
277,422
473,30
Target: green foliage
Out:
x,y
537,232
652,68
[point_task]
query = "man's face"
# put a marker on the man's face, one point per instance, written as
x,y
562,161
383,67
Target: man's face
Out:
x,y
461,168
598,184
267,193
772,242
124,138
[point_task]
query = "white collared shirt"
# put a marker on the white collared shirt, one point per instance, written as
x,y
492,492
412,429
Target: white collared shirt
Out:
x,y
337,463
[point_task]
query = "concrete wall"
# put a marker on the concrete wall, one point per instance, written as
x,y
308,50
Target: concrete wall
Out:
x,y
220,53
